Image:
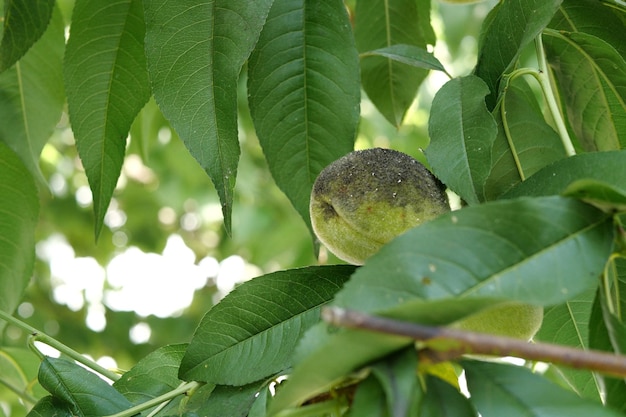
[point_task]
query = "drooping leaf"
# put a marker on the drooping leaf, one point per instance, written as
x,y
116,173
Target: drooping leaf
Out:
x,y
50,406
227,400
397,375
389,84
618,9
540,250
605,167
251,334
442,400
568,324
369,400
18,370
507,390
195,52
31,96
154,375
592,17
145,129
591,79
326,355
599,338
611,305
407,54
598,193
462,132
619,286
107,84
508,28
304,93
522,131
19,208
197,399
259,406
24,23
86,393
615,390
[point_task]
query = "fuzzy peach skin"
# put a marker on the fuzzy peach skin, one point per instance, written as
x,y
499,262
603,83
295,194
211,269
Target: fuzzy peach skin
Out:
x,y
517,320
366,198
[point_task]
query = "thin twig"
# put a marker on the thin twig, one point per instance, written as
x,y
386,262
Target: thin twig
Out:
x,y
548,93
156,401
39,336
478,343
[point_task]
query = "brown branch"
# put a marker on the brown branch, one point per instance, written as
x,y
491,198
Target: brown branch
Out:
x,y
478,343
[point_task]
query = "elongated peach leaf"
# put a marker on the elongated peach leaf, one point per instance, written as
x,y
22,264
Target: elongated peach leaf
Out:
x,y
106,84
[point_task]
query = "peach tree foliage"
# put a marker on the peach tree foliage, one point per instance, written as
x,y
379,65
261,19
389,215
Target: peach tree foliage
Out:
x,y
534,152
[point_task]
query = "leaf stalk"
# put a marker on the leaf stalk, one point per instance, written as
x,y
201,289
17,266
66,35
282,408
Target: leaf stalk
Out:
x,y
505,121
546,86
37,335
161,400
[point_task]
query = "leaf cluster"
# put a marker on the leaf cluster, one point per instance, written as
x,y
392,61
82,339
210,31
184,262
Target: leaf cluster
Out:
x,y
536,156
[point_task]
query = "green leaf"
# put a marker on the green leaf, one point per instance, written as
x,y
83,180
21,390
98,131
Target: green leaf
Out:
x,y
369,400
615,390
50,406
612,304
304,93
24,23
619,286
198,398
389,84
195,51
591,79
259,406
598,193
19,208
592,17
32,97
154,375
145,129
523,238
407,54
462,132
18,370
522,131
568,324
509,27
326,355
599,338
228,401
505,390
598,333
87,394
608,168
107,84
251,333
397,375
442,400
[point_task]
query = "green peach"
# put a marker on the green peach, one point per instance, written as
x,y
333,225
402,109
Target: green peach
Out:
x,y
366,198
